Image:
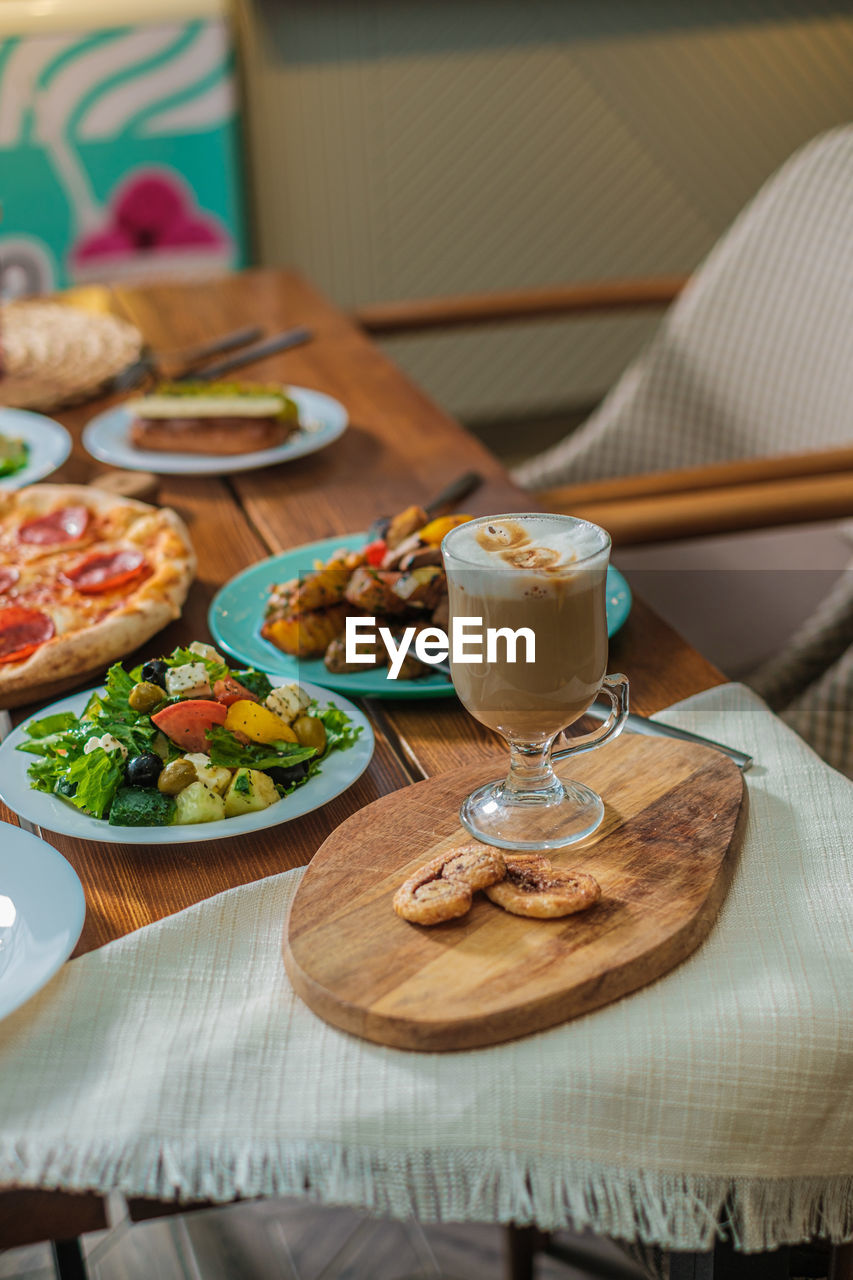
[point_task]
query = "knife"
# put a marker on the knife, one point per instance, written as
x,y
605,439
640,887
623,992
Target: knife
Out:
x,y
258,351
149,363
655,729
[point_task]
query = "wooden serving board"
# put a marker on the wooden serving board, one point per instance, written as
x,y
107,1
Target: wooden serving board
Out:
x,y
663,857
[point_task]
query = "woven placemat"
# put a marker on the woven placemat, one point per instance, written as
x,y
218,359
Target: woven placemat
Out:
x,y
53,354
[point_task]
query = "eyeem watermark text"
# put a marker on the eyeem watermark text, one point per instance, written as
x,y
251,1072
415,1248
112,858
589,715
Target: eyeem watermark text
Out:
x,y
469,641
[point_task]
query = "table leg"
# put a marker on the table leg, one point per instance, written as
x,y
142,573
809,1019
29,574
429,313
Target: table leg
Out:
x,y
68,1260
841,1262
522,1245
691,1266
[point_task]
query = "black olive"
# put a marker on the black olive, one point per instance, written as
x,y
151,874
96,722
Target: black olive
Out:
x,y
154,672
286,775
144,770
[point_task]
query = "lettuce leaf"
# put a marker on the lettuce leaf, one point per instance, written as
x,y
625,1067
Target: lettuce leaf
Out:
x,y
340,730
255,681
111,712
227,750
97,778
51,725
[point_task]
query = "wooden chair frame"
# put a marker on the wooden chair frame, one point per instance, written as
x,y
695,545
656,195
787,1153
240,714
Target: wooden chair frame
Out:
x,y
661,506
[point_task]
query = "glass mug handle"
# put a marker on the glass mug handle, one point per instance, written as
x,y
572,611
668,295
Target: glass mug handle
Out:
x,y
616,688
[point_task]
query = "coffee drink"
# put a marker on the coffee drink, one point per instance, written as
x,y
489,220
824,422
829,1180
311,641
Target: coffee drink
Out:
x,y
546,573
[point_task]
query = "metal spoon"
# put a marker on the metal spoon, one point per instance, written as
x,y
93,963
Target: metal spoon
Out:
x,y
653,728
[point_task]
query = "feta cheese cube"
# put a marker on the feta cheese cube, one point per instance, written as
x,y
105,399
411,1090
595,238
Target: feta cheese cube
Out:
x,y
108,742
288,701
188,681
205,651
214,776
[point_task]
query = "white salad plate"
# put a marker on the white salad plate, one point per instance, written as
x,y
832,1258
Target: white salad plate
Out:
x,y
42,909
339,771
49,445
322,420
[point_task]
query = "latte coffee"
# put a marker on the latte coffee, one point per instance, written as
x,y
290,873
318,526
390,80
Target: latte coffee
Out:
x,y
546,573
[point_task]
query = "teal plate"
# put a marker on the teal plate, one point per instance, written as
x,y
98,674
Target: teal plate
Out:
x,y
237,611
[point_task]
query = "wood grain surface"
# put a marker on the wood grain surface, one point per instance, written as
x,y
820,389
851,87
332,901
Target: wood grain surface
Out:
x,y
400,448
663,857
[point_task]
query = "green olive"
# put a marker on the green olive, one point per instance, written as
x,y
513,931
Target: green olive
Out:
x,y
145,696
310,732
176,776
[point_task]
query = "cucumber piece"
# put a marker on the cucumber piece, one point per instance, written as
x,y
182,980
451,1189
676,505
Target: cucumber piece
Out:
x,y
141,807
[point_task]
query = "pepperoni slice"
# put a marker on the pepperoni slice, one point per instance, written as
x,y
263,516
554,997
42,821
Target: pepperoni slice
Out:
x,y
8,578
68,524
106,570
22,631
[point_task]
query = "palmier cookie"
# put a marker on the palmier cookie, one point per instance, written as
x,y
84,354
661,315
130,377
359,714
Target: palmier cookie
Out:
x,y
531,889
443,888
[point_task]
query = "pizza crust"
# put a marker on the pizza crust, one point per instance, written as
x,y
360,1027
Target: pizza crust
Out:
x,y
148,607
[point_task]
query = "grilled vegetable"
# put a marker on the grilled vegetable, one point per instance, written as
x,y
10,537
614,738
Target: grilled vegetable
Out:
x,y
305,635
327,586
434,532
408,521
419,558
336,657
422,587
373,591
374,552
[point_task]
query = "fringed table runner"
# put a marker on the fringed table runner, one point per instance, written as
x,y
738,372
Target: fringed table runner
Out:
x,y
178,1063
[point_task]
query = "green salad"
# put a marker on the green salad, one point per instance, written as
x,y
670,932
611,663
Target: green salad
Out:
x,y
184,739
14,455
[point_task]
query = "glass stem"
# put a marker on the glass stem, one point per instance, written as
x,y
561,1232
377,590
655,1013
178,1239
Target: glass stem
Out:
x,y
531,776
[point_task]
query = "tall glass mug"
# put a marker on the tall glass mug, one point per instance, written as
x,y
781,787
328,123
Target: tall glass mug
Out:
x,y
546,574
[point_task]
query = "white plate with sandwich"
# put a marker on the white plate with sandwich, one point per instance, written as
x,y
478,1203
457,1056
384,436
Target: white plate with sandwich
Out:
x,y
210,429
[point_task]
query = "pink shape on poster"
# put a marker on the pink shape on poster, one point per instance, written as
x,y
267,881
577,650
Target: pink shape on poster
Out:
x,y
150,211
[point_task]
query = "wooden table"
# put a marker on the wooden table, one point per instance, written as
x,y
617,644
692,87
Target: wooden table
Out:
x,y
399,449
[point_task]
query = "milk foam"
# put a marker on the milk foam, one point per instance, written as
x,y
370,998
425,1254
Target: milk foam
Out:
x,y
568,543
571,542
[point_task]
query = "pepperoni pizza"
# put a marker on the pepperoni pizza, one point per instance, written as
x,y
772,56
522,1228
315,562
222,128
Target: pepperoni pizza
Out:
x,y
85,577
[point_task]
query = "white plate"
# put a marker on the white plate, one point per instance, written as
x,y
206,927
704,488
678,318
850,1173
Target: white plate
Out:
x,y
339,772
324,420
42,909
50,445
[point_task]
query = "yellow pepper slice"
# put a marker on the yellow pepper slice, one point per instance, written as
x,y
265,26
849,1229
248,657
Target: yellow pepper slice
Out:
x,y
433,532
257,722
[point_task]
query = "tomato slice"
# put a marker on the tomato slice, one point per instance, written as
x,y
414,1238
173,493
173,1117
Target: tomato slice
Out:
x,y
68,524
8,578
186,723
229,690
22,631
106,570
